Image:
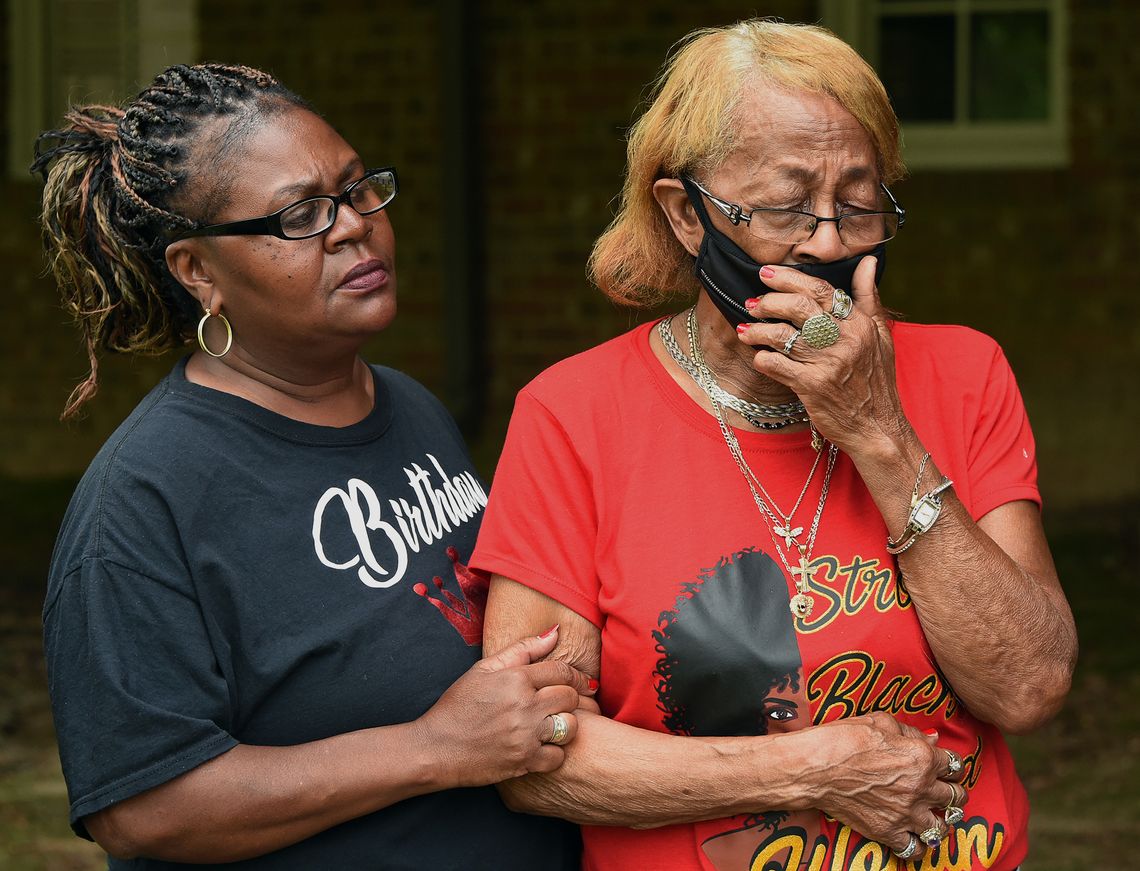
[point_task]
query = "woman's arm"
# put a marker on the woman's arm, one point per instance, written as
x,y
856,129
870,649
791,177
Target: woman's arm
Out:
x,y
871,772
251,800
986,593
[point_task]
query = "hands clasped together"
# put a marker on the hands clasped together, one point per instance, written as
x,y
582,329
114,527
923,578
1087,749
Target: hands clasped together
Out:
x,y
892,782
509,715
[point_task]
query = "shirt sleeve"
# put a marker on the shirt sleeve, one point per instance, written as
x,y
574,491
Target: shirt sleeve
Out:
x,y
1002,455
540,528
137,696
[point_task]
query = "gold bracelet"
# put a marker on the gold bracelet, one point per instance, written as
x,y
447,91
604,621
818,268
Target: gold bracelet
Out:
x,y
924,512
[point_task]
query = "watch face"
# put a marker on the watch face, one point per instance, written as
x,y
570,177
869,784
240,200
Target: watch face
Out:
x,y
925,513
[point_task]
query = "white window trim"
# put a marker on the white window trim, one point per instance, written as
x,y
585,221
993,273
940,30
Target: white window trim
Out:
x,y
164,33
966,144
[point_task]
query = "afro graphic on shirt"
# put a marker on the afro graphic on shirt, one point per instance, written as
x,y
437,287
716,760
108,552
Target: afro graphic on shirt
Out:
x,y
730,665
729,661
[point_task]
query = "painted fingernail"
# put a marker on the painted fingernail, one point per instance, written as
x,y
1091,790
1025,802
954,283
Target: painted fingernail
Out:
x,y
549,631
752,303
740,328
767,272
933,733
592,684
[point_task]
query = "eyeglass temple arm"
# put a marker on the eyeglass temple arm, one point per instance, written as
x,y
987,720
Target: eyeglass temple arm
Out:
x,y
250,227
899,210
729,210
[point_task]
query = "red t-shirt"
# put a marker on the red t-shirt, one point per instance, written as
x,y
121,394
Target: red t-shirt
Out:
x,y
617,496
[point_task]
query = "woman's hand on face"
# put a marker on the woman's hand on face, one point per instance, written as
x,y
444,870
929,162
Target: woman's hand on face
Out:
x,y
495,721
886,779
847,388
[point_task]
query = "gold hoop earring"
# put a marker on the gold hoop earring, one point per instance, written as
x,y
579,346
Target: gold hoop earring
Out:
x,y
202,338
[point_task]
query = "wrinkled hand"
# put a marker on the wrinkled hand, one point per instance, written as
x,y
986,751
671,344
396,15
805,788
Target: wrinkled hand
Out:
x,y
490,724
889,779
849,388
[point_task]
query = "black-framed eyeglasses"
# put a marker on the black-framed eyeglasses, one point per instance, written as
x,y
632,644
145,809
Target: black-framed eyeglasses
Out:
x,y
313,215
856,227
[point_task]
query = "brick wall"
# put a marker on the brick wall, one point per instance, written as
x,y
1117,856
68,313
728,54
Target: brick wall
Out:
x,y
1037,259
1042,260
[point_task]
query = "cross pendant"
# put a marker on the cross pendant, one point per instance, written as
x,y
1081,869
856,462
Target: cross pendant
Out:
x,y
804,573
788,534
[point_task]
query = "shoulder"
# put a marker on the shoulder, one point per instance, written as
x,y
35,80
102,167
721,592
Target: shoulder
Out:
x,y
412,403
943,343
946,361
124,493
596,376
401,383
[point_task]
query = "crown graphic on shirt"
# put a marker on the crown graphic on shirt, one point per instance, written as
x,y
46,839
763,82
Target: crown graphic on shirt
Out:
x,y
466,614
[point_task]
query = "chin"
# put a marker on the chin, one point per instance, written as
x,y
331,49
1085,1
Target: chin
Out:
x,y
381,310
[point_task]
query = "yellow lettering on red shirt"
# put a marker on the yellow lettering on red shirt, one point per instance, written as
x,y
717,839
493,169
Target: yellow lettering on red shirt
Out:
x,y
851,685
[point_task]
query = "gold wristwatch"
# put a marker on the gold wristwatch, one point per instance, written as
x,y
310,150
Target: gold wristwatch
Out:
x,y
924,512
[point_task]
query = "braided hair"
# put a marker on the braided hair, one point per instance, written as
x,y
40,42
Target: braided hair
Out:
x,y
117,187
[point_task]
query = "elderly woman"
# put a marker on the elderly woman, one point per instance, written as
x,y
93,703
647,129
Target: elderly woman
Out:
x,y
262,638
780,464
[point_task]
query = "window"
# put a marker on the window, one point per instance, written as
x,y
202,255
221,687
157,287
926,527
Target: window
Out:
x,y
975,83
85,51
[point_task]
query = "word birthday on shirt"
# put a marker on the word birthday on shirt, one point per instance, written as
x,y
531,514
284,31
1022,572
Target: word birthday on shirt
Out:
x,y
435,510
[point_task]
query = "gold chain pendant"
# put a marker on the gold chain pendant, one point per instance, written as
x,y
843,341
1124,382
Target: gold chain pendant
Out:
x,y
801,606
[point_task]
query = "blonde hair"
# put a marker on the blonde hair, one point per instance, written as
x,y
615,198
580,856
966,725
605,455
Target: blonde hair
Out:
x,y
689,125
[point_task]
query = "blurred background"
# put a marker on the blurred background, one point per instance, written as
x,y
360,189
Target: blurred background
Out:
x,y
506,121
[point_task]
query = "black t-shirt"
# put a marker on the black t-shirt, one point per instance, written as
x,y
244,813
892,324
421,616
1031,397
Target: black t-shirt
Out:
x,y
226,575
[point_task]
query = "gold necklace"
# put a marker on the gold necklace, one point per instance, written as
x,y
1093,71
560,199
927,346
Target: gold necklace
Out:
x,y
801,603
759,415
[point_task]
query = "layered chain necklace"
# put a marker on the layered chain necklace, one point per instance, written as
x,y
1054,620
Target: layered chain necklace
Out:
x,y
759,415
785,536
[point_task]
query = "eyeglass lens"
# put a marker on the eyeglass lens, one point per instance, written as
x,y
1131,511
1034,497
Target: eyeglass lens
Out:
x,y
794,227
316,214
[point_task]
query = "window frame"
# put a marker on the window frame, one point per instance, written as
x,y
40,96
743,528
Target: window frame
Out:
x,y
962,143
152,37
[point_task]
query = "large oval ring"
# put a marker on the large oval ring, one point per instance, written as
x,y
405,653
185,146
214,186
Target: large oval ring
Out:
x,y
841,304
559,729
820,331
787,349
932,837
953,762
909,850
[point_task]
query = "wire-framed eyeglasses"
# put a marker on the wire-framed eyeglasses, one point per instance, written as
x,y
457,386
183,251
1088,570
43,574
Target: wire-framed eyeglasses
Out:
x,y
856,227
312,216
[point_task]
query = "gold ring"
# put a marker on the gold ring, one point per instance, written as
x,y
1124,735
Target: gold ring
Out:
x,y
956,799
820,331
559,729
932,837
909,850
953,762
841,304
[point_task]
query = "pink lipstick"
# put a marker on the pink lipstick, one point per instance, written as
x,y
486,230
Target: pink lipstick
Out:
x,y
367,275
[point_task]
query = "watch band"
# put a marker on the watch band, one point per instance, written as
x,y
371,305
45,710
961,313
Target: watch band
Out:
x,y
924,513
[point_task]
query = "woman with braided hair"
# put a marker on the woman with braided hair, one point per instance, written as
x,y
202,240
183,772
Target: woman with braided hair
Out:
x,y
246,665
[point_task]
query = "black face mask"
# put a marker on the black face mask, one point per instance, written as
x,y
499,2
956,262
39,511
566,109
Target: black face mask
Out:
x,y
729,276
